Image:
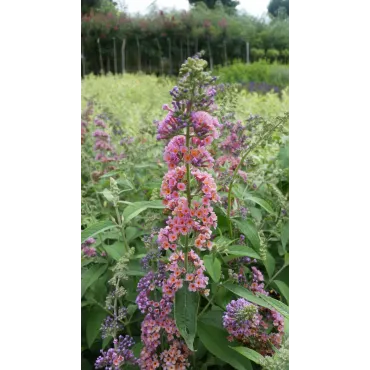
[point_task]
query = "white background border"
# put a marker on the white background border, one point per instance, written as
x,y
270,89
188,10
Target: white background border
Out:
x,y
40,185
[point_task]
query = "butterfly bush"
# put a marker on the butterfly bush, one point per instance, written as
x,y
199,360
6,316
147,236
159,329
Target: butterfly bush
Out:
x,y
233,143
188,192
87,248
105,151
120,354
256,327
85,119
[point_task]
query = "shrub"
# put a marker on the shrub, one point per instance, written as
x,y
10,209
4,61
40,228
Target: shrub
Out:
x,y
259,72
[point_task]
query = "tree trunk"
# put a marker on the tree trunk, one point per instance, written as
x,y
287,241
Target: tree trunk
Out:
x,y
188,46
247,51
115,56
210,53
100,59
108,64
160,55
225,53
138,54
83,60
181,54
123,47
170,54
196,45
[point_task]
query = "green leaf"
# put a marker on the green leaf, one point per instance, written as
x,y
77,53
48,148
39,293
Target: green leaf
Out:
x,y
213,267
185,312
133,232
256,213
245,293
285,235
250,354
136,208
135,269
242,250
283,288
136,349
269,264
94,320
261,202
215,341
108,195
109,174
97,229
286,325
275,305
91,275
131,308
115,250
259,299
248,228
213,318
106,341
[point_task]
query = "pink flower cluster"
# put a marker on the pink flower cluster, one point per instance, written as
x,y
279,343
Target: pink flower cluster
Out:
x,y
87,248
188,194
205,125
194,275
158,322
198,156
202,124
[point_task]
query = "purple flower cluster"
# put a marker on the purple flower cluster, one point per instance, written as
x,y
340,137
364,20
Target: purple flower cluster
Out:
x,y
256,327
257,284
86,116
103,145
157,321
146,289
243,212
152,256
235,141
114,358
105,151
126,141
111,325
87,249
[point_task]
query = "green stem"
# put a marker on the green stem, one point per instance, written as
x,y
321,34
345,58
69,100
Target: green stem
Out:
x,y
188,192
107,311
119,220
277,273
207,305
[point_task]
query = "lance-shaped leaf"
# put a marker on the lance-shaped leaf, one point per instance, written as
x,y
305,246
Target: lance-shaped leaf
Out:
x,y
250,354
215,340
186,309
96,229
248,228
136,208
213,267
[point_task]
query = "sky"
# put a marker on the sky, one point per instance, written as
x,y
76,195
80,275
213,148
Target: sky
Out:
x,y
253,7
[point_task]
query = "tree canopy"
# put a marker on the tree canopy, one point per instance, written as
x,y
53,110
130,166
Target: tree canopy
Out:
x,y
211,3
277,6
